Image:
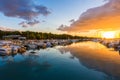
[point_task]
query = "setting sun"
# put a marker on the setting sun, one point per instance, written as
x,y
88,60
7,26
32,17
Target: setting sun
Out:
x,y
110,34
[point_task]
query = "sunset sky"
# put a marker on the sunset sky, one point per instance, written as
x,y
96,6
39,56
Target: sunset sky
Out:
x,y
59,16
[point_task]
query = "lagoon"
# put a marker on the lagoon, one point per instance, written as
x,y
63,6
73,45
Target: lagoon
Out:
x,y
78,61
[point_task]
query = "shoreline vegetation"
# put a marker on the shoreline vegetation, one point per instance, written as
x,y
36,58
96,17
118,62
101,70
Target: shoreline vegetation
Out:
x,y
38,35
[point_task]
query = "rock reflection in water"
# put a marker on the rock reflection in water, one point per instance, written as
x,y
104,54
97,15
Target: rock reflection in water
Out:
x,y
73,62
96,56
21,67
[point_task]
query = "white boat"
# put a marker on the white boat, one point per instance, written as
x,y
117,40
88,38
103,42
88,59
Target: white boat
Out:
x,y
32,46
5,48
4,51
14,49
48,44
5,42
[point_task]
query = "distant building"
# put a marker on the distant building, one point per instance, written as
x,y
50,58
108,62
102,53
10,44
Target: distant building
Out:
x,y
22,38
14,37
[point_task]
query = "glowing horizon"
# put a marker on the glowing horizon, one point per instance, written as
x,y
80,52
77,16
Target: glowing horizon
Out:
x,y
109,34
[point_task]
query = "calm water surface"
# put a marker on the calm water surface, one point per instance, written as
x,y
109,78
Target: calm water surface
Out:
x,y
79,61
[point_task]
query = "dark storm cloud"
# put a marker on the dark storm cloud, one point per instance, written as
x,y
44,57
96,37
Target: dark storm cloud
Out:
x,y
24,9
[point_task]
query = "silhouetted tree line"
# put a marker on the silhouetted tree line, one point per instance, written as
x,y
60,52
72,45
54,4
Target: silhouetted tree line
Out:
x,y
38,35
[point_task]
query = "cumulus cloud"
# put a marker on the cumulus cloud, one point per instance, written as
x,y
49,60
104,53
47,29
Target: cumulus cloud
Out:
x,y
24,9
106,17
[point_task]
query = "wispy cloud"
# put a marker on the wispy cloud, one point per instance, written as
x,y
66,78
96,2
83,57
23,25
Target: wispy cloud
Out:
x,y
29,23
23,9
72,20
7,29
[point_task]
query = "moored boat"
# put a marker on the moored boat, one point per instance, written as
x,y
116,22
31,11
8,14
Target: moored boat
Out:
x,y
4,51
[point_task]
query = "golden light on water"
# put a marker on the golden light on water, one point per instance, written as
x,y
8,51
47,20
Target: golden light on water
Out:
x,y
109,34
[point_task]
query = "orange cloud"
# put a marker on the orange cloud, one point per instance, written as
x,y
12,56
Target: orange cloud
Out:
x,y
105,17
